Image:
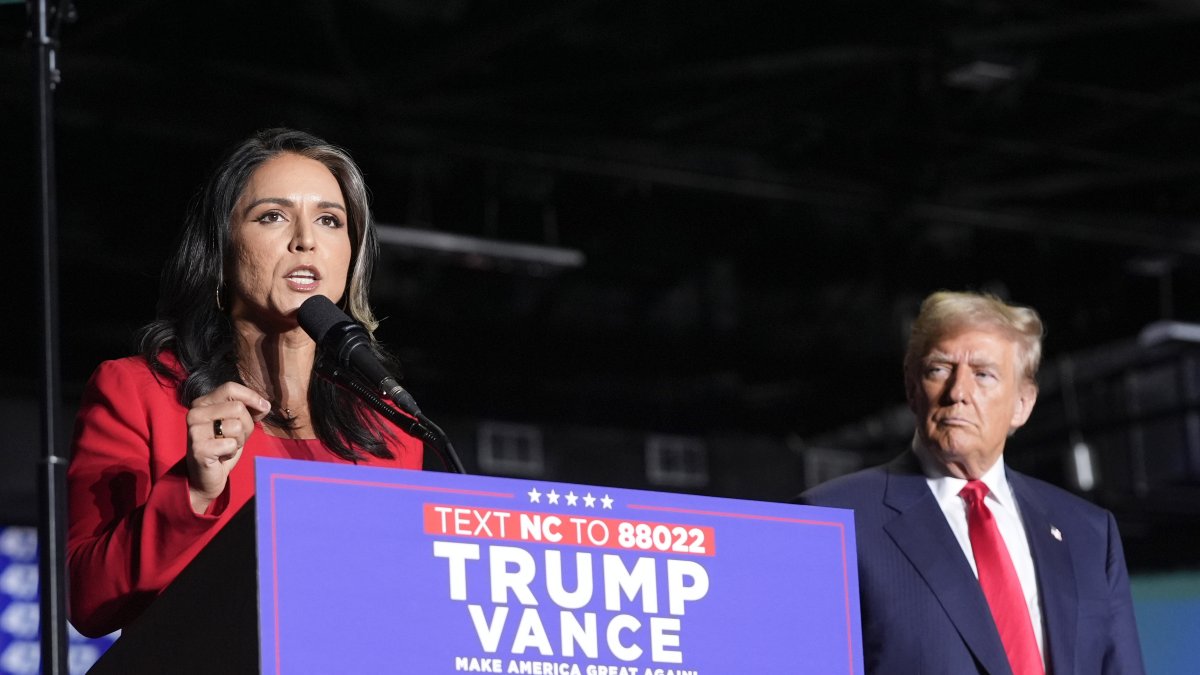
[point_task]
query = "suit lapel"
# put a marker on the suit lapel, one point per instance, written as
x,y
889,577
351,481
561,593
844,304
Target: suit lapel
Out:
x,y
1055,574
922,534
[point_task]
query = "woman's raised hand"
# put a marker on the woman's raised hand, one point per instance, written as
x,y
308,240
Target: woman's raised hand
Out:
x,y
218,425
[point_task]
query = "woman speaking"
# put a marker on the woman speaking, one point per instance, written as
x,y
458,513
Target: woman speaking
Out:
x,y
163,449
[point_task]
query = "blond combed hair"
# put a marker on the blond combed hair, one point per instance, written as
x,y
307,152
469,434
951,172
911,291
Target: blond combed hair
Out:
x,y
946,313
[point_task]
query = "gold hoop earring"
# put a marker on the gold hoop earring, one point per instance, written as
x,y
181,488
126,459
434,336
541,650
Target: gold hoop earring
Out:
x,y
220,308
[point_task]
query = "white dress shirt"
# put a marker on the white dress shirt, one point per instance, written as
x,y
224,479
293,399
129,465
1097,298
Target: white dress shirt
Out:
x,y
1003,505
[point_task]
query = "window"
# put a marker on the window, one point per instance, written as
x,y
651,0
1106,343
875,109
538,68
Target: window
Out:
x,y
676,461
511,449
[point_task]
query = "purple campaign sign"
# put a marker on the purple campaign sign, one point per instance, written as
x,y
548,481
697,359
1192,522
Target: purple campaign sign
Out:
x,y
381,570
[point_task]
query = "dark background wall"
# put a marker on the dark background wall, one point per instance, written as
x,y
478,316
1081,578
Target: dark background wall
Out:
x,y
762,193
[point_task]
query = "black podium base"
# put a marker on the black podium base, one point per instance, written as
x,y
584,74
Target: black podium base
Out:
x,y
205,622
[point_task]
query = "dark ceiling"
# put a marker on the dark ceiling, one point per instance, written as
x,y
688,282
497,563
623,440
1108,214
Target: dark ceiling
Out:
x,y
763,190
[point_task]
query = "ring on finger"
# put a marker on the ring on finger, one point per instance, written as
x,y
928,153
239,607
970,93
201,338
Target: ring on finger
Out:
x,y
217,432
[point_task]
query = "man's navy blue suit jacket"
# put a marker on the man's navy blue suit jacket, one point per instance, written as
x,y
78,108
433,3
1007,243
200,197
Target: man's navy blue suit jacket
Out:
x,y
923,612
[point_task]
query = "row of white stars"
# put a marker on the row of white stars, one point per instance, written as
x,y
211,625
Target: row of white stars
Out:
x,y
552,497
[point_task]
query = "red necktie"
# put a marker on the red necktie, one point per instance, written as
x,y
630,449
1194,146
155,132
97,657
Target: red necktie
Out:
x,y
1000,585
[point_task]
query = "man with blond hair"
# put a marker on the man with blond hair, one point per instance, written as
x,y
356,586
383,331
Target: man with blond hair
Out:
x,y
966,566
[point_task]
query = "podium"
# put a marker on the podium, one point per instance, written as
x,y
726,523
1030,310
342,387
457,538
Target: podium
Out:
x,y
344,569
206,621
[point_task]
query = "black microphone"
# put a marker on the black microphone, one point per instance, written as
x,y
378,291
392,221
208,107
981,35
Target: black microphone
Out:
x,y
346,342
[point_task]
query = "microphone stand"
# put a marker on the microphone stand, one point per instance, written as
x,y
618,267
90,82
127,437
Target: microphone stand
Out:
x,y
46,18
421,427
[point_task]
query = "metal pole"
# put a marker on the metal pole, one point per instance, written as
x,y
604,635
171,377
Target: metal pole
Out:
x,y
52,469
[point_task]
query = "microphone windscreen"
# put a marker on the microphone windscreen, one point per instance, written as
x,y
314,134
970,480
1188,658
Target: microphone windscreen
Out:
x,y
318,314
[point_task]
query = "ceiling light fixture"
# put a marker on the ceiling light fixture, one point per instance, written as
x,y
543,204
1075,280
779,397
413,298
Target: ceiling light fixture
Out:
x,y
481,253
981,75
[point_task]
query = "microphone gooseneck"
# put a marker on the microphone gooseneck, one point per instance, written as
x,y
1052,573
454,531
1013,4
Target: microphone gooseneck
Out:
x,y
423,429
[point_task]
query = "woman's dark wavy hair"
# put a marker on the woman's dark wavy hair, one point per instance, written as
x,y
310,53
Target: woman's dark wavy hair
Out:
x,y
192,325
